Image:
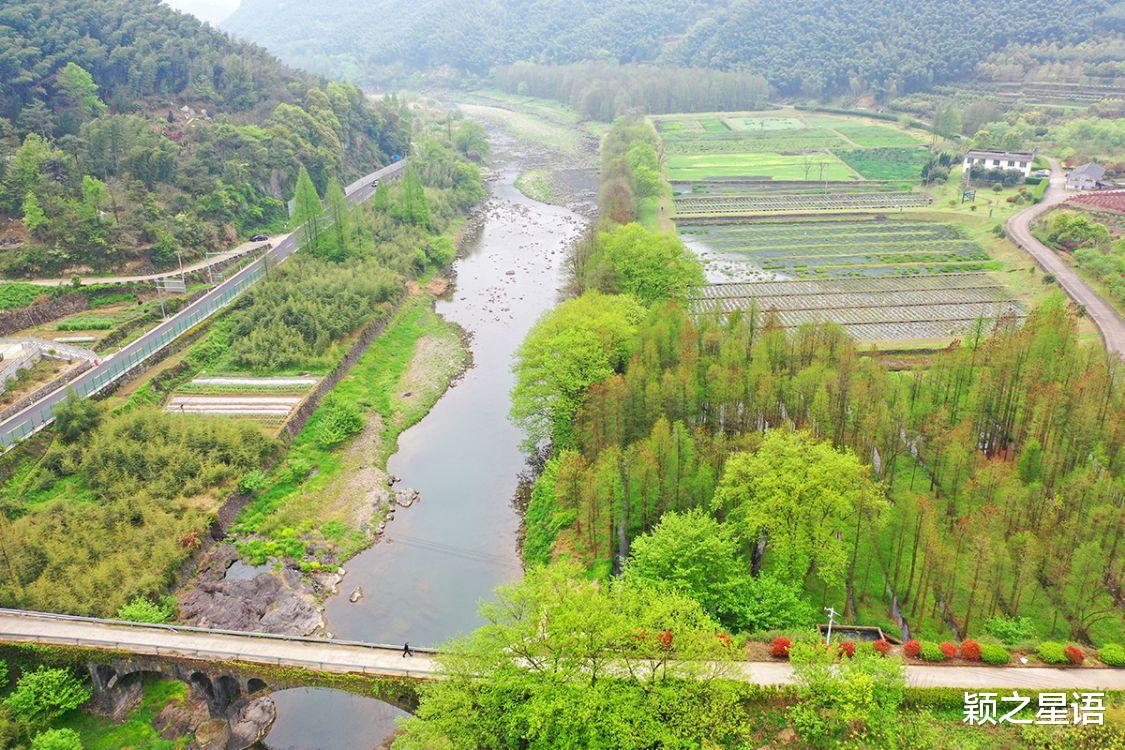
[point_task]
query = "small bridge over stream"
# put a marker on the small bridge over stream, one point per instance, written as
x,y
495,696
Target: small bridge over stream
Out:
x,y
228,666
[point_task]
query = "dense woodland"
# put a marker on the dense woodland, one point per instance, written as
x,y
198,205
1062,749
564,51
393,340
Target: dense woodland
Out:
x,y
603,92
130,132
812,47
987,484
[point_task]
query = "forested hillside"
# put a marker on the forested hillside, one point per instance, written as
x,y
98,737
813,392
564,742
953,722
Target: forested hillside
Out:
x,y
810,46
129,132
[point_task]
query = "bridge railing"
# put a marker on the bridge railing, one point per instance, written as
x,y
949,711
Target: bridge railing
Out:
x,y
29,614
211,655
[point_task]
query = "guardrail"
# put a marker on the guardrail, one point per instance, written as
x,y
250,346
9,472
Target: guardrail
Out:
x,y
166,627
39,415
225,656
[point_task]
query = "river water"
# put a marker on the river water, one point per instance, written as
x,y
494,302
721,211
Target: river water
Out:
x,y
438,559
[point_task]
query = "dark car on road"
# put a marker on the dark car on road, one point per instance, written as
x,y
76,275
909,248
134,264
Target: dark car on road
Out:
x,y
259,238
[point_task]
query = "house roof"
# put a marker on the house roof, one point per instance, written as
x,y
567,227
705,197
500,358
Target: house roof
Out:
x,y
1089,169
977,153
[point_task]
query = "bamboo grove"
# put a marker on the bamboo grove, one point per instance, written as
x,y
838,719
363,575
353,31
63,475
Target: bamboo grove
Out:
x,y
1001,459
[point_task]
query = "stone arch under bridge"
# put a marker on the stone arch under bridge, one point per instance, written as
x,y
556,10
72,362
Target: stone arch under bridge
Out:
x,y
226,687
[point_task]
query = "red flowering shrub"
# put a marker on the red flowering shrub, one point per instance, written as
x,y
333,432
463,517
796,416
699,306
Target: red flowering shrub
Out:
x,y
665,638
724,639
911,649
882,646
779,648
948,649
970,650
1074,654
847,648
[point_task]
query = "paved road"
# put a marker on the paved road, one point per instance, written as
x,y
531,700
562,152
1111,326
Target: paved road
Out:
x,y
234,252
346,656
41,413
1108,321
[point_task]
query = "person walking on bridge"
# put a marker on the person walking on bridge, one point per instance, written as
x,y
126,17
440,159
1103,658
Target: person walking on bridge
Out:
x,y
406,650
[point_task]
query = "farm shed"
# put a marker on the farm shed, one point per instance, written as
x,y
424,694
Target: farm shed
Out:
x,y
1089,176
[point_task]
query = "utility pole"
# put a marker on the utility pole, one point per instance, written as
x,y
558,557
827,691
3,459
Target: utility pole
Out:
x,y
832,614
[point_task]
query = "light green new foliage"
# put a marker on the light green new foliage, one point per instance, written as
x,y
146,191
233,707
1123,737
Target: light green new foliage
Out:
x,y
308,212
57,739
653,266
141,609
44,695
581,342
565,662
801,494
847,702
696,555
339,213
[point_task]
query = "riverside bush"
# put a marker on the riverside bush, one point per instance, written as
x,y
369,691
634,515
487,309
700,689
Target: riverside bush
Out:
x,y
970,650
911,649
1074,655
948,649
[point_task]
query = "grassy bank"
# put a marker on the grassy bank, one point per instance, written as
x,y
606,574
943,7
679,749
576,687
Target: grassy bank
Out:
x,y
327,496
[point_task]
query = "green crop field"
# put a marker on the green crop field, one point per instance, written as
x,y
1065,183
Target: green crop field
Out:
x,y
18,295
893,163
817,166
874,135
790,147
765,123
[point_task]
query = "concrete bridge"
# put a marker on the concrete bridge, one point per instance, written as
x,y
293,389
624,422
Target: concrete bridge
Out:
x,y
221,663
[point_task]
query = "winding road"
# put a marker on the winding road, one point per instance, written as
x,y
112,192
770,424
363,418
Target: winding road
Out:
x,y
39,414
1109,323
323,655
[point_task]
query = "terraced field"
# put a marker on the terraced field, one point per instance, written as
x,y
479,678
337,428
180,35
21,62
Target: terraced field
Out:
x,y
928,307
792,147
692,206
839,249
270,401
881,280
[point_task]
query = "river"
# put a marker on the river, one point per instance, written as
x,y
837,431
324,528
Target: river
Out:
x,y
439,558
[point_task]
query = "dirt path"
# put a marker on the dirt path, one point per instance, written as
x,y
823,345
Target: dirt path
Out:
x,y
1109,323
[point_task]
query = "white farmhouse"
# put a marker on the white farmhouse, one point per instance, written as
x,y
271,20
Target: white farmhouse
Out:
x,y
1089,176
1006,160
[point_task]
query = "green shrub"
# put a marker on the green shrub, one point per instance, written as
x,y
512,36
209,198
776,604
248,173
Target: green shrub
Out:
x,y
1112,654
932,652
252,482
990,653
337,421
1010,630
1052,653
57,739
44,695
142,609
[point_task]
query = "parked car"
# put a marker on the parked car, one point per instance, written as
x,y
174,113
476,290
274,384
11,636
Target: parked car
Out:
x,y
1042,173
375,183
259,238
